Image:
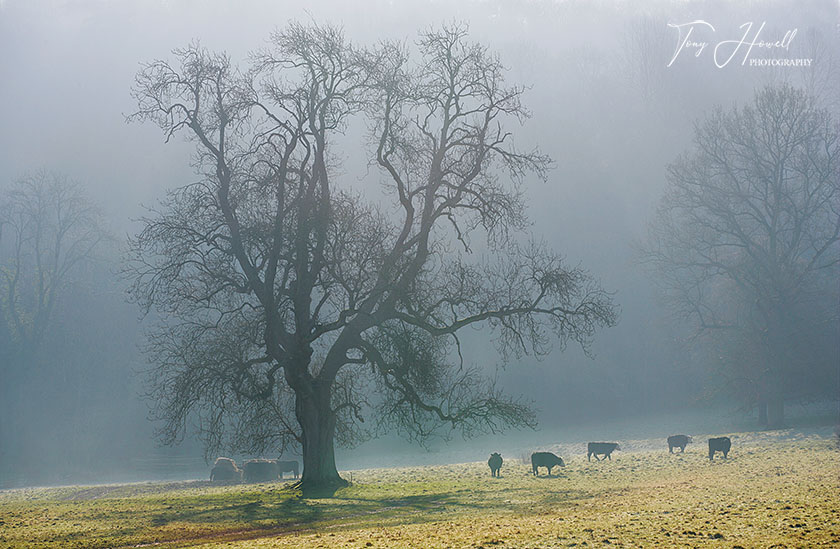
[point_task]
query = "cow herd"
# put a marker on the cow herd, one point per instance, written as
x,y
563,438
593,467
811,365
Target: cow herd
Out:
x,y
253,470
268,470
605,449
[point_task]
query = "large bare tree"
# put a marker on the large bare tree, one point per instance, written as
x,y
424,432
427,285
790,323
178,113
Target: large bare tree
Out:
x,y
290,304
747,243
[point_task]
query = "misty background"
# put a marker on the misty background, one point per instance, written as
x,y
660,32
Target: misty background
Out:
x,y
605,107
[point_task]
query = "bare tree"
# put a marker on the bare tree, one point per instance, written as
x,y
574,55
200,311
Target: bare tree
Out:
x,y
48,231
644,42
292,305
746,240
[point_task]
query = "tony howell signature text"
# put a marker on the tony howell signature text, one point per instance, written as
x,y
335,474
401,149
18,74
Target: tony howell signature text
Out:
x,y
725,50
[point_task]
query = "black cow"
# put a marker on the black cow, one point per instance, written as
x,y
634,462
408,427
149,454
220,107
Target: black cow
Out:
x,y
600,448
545,459
495,463
288,466
720,444
678,441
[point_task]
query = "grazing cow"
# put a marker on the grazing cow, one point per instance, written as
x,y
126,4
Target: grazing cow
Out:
x,y
261,470
720,444
225,469
600,448
545,459
495,463
288,466
678,441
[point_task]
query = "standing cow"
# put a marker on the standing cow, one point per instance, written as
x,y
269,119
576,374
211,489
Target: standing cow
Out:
x,y
602,449
678,441
495,463
720,444
290,466
545,459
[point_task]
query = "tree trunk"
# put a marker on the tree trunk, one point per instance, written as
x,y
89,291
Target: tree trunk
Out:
x,y
762,410
317,422
780,342
776,412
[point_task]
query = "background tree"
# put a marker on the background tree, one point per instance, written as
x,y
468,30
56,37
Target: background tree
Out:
x,y
292,305
745,242
643,41
48,231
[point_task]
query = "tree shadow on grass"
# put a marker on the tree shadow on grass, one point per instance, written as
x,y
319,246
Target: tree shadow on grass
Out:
x,y
453,501
273,512
297,512
263,513
261,518
278,512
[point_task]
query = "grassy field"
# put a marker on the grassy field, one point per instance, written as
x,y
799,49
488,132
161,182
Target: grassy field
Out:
x,y
779,489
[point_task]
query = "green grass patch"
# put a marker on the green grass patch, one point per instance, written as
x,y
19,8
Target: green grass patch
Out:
x,y
780,490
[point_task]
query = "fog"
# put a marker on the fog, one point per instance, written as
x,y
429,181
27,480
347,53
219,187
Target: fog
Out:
x,y
605,106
